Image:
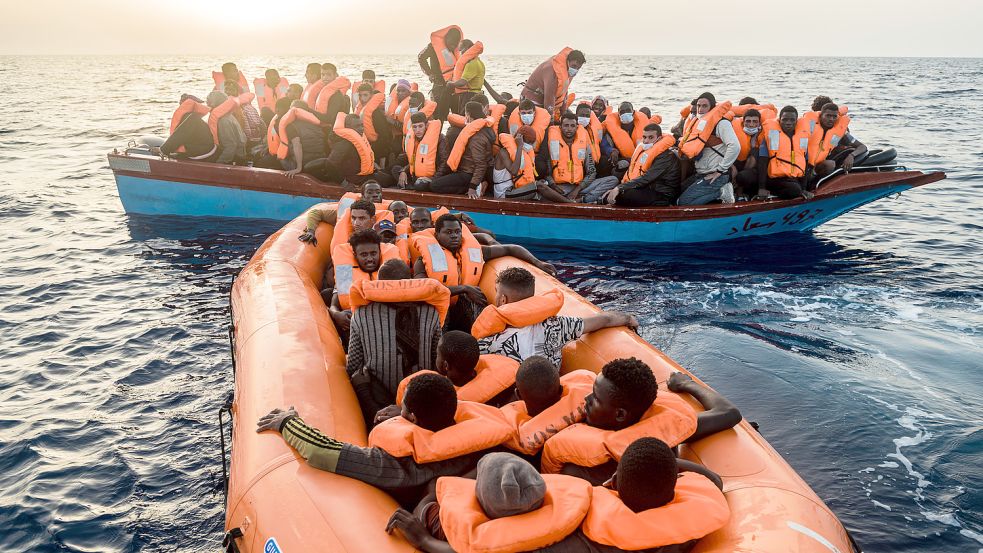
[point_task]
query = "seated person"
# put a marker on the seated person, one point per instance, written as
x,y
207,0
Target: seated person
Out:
x,y
458,263
466,164
710,180
568,155
623,132
387,232
294,92
744,172
231,138
522,324
306,140
191,138
653,176
435,435
351,160
399,210
653,502
394,332
528,113
252,124
625,405
426,150
786,157
547,403
372,109
831,145
356,260
515,164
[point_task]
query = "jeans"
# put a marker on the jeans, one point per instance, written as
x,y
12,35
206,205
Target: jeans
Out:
x,y
700,191
597,189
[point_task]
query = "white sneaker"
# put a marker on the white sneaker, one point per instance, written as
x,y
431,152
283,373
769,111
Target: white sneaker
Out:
x,y
727,193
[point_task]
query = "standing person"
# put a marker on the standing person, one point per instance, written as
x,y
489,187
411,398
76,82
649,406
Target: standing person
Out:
x,y
469,74
464,170
549,84
709,140
437,61
653,175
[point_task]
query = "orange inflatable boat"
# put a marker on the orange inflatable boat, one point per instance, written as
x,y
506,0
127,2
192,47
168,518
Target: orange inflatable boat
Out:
x,y
288,353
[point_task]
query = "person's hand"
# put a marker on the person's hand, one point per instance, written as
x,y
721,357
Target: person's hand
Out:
x,y
156,151
342,319
465,219
361,377
712,176
410,526
519,141
474,294
632,322
403,179
308,237
613,157
763,194
678,382
290,174
274,420
847,163
547,268
612,196
473,193
386,413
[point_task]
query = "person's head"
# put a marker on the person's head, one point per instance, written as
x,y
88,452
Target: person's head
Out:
x,y
819,101
473,111
367,247
583,114
394,269
430,402
328,72
354,122
514,284
420,219
361,213
646,475
230,71
449,232
452,38
787,119
575,60
371,191
752,121
651,134
282,106
622,393
231,88
829,115
599,105
313,73
386,230
568,125
528,135
368,77
365,91
747,101
418,123
646,111
300,104
481,99
294,92
537,383
400,210
463,46
527,111
626,113
704,103
215,98
506,485
403,90
417,99
272,77
457,357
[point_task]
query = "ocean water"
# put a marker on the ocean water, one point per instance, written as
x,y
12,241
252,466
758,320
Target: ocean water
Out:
x,y
856,348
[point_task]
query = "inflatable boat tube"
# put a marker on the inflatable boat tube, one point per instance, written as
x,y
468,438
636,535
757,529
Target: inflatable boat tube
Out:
x,y
288,353
879,157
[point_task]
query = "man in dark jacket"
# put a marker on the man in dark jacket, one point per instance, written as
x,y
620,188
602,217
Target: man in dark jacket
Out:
x,y
474,162
658,186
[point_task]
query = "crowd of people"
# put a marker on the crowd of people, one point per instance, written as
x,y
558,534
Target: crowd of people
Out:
x,y
543,145
473,429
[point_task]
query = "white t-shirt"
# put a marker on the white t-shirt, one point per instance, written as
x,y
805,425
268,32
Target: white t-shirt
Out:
x,y
546,338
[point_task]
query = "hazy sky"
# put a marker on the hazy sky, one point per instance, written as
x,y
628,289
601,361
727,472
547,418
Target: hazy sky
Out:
x,y
277,27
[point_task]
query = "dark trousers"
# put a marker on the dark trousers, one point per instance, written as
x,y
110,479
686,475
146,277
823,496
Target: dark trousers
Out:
x,y
785,188
746,182
453,183
642,197
444,98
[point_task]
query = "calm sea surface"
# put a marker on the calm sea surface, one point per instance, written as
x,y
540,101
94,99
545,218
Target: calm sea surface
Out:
x,y
857,348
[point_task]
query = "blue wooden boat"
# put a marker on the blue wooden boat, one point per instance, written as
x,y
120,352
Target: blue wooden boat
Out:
x,y
150,185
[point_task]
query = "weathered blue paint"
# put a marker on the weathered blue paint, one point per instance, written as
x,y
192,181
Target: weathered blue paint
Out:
x,y
150,196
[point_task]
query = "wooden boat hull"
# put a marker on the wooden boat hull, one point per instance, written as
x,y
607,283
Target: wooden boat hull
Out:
x,y
152,186
288,353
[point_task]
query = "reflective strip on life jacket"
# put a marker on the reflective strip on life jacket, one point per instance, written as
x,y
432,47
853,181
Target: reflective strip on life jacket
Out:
x,y
347,272
446,57
540,122
567,160
422,157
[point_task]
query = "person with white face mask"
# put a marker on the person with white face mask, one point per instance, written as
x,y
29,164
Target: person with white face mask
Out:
x,y
549,84
711,178
744,172
653,176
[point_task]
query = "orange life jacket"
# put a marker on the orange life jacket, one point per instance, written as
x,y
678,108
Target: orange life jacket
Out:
x,y
347,272
272,138
294,114
622,141
366,158
428,108
698,509
495,113
422,156
669,418
219,79
532,432
559,63
337,86
493,375
698,130
186,107
456,120
451,270
642,159
536,309
567,160
528,164
446,57
813,117
266,96
823,141
477,428
540,122
748,143
378,86
457,152
595,132
469,530
768,111
405,228
426,290
786,156
470,54
225,108
366,111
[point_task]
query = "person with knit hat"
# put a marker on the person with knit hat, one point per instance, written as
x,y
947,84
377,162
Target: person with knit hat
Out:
x,y
710,180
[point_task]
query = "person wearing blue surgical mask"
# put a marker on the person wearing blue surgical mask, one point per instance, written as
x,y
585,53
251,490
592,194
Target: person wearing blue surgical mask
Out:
x,y
546,89
744,173
656,186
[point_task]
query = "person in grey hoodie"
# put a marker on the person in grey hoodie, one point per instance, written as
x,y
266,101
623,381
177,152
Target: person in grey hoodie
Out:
x,y
711,178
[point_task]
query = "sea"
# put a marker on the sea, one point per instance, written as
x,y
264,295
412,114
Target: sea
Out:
x,y
857,348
